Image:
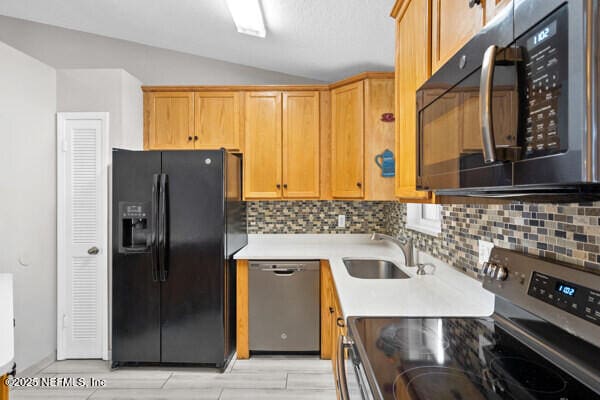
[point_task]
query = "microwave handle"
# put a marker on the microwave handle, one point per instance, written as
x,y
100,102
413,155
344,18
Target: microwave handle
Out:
x,y
485,105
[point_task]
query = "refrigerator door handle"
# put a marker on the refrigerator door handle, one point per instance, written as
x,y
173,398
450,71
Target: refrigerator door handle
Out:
x,y
153,233
162,229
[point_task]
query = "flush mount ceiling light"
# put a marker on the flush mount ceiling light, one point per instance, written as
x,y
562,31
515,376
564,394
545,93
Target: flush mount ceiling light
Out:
x,y
248,17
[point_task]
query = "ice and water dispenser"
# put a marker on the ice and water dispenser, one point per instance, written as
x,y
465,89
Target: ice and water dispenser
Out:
x,y
135,227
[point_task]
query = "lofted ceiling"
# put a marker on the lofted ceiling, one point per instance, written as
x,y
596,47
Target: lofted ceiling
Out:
x,y
318,39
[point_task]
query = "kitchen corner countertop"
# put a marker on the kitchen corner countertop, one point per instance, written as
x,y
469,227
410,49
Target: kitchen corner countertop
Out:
x,y
447,292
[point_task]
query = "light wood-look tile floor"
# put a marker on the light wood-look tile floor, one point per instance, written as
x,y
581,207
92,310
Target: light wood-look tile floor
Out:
x,y
260,378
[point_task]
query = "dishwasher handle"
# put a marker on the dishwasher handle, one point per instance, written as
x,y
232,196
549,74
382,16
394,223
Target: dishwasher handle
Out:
x,y
282,271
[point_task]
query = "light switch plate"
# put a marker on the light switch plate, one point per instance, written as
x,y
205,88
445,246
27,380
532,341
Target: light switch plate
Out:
x,y
341,221
485,249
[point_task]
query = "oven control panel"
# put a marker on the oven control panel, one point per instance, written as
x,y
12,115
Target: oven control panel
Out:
x,y
565,295
575,299
545,85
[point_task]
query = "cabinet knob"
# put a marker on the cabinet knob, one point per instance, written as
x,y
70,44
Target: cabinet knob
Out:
x,y
195,137
278,186
473,3
358,184
331,310
189,138
285,185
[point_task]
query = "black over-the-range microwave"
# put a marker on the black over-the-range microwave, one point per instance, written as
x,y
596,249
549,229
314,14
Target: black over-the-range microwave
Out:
x,y
515,112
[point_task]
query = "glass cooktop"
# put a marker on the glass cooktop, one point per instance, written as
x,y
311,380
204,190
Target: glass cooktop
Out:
x,y
458,359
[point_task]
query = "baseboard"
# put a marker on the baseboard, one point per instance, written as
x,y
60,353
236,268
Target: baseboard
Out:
x,y
38,366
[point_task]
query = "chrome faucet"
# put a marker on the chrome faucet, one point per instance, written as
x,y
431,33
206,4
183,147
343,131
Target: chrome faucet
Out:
x,y
406,246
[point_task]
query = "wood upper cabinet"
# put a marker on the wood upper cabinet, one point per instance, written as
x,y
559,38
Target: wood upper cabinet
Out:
x,y
301,145
493,8
262,157
191,120
169,120
347,131
217,120
503,114
413,67
453,24
379,136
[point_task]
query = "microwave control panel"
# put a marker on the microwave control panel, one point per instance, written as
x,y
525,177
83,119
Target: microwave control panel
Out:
x,y
545,72
570,297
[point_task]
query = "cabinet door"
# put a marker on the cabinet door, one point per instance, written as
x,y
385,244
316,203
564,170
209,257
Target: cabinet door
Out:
x,y
327,310
262,155
454,23
503,115
217,120
412,70
170,120
493,8
441,135
347,128
379,136
301,145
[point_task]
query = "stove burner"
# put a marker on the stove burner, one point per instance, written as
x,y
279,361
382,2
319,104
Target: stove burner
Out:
x,y
411,340
529,375
438,383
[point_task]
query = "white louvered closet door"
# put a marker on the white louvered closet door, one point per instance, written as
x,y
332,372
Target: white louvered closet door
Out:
x,y
82,198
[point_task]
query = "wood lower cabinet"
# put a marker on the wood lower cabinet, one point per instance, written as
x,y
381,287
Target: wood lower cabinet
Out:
x,y
241,312
301,145
3,387
413,67
333,324
332,318
169,120
263,150
454,22
327,311
217,120
347,130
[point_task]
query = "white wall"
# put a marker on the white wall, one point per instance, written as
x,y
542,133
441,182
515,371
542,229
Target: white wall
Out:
x,y
65,48
132,110
28,199
105,90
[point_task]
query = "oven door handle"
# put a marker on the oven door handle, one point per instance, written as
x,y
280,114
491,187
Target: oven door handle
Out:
x,y
344,342
485,105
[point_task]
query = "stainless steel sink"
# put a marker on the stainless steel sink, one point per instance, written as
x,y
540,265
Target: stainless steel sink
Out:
x,y
373,269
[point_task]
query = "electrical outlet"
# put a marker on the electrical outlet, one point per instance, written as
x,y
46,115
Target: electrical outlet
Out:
x,y
341,221
485,249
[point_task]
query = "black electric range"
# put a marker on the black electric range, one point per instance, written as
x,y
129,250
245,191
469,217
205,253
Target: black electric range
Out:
x,y
542,342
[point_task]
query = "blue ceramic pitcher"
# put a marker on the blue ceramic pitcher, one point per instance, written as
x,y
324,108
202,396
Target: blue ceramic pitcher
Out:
x,y
386,162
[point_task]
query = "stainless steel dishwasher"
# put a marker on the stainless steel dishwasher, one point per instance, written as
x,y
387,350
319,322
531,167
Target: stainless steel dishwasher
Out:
x,y
283,306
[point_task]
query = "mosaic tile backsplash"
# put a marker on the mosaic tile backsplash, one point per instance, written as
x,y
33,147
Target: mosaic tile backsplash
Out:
x,y
565,232
316,216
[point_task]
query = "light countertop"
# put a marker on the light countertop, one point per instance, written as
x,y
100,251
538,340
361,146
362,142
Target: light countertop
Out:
x,y
7,342
446,292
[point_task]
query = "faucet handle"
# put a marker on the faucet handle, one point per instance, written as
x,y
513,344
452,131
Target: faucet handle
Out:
x,y
421,269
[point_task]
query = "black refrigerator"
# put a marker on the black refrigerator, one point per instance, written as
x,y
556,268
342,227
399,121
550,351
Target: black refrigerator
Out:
x,y
178,218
